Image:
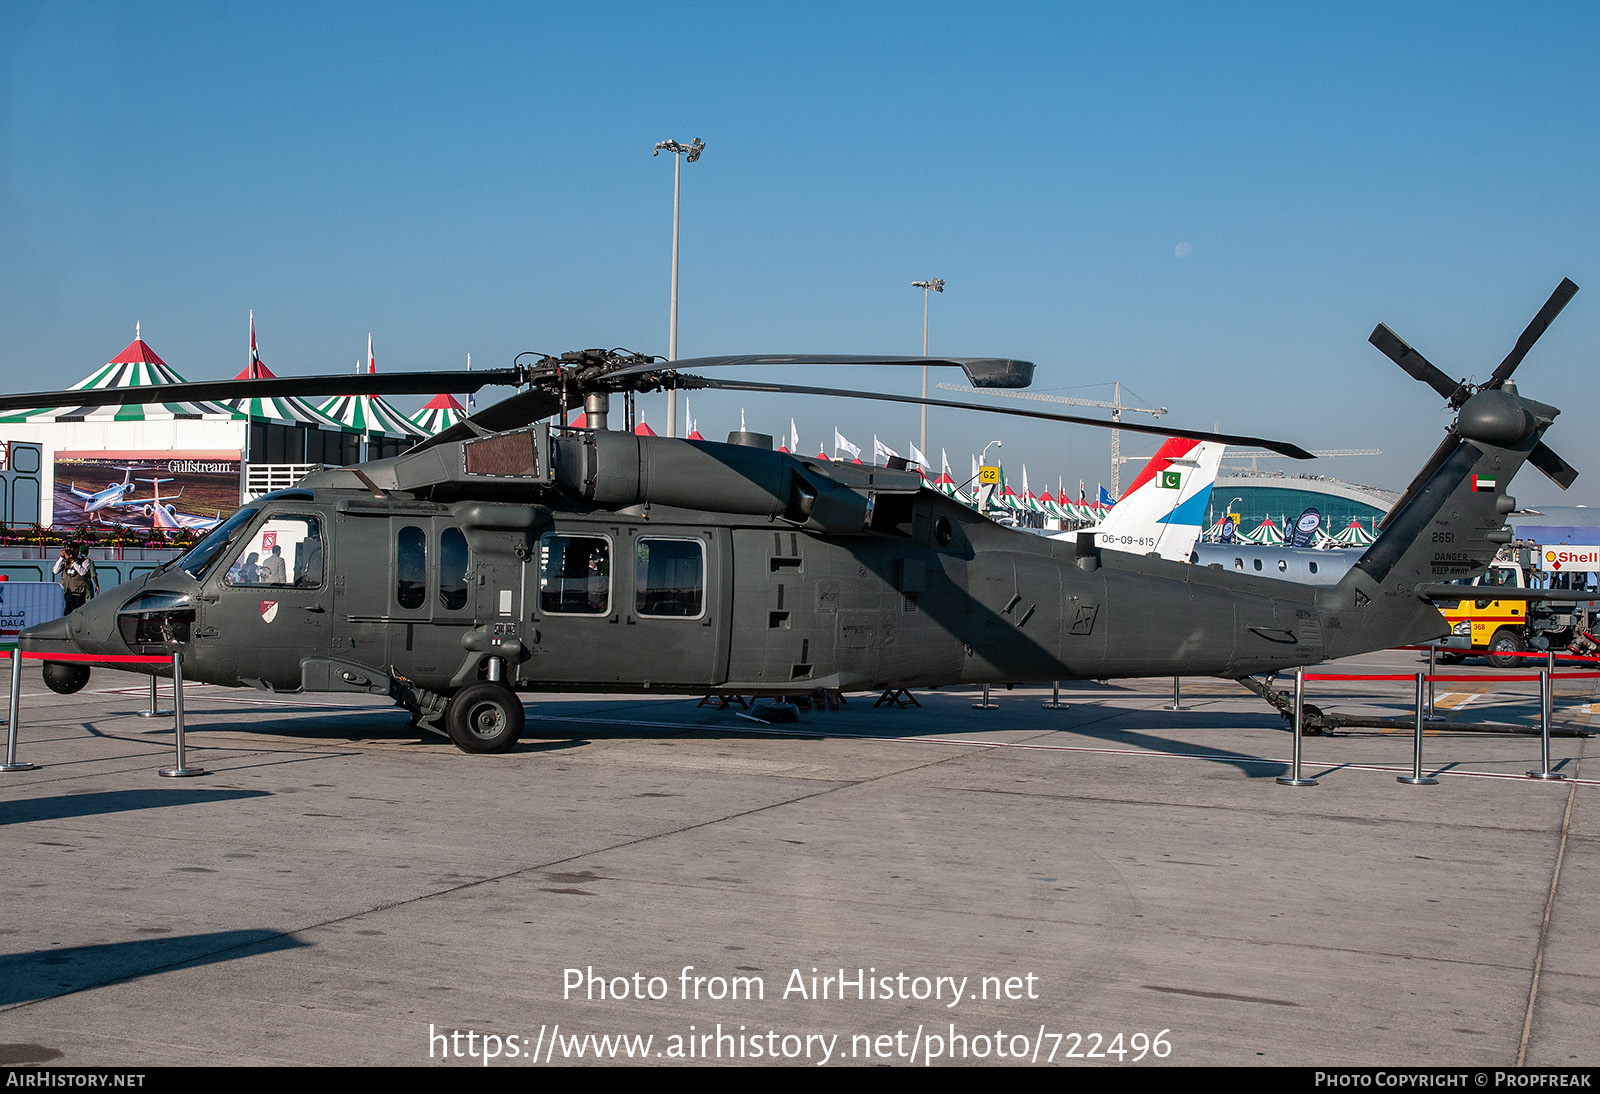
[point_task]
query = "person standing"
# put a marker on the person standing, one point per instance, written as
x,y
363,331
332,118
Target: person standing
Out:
x,y
73,575
273,569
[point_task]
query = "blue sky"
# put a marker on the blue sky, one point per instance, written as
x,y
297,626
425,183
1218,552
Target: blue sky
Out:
x,y
478,179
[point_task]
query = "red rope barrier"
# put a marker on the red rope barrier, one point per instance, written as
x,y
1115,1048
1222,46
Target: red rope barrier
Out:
x,y
97,658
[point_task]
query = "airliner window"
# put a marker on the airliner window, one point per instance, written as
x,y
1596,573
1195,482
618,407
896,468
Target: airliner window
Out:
x,y
285,551
575,575
669,577
452,570
411,567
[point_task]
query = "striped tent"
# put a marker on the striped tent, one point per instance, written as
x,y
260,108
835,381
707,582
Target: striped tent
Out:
x,y
440,414
947,486
1266,534
281,409
135,366
1355,534
370,414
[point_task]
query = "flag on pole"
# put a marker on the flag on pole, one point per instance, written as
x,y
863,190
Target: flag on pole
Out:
x,y
255,357
472,398
794,437
916,455
372,362
881,451
839,442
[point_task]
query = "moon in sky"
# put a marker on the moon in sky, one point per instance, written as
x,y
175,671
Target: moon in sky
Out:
x,y
1182,250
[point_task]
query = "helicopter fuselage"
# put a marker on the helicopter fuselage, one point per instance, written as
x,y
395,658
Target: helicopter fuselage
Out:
x,y
813,575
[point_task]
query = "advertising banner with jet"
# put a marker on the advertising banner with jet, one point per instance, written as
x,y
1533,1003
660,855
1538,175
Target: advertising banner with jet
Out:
x,y
165,491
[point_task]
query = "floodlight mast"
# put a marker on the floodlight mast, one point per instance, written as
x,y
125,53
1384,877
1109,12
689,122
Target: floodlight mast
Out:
x,y
693,151
934,284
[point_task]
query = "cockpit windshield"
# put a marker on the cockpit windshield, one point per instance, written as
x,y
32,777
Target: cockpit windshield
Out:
x,y
204,553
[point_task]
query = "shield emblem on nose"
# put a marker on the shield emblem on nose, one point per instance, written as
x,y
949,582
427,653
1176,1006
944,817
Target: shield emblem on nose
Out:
x,y
269,610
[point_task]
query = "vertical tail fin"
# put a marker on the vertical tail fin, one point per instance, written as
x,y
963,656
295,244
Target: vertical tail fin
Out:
x,y
1162,512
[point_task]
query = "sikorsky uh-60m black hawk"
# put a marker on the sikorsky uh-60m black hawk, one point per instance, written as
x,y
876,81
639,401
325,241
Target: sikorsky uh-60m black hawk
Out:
x,y
507,555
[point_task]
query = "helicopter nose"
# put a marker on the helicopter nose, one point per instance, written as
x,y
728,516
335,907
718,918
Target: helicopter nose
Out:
x,y
52,637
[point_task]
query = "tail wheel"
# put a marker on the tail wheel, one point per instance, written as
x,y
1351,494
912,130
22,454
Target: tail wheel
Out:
x,y
484,717
1504,647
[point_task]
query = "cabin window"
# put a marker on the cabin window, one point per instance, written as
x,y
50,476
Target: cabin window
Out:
x,y
669,577
1313,567
286,550
452,570
411,567
1283,566
1258,564
1238,564
575,575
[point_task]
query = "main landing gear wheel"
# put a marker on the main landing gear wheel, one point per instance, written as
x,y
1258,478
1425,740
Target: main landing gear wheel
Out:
x,y
1504,647
1452,658
484,717
1311,721
64,678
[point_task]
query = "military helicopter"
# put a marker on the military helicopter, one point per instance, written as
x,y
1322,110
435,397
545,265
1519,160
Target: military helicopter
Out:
x,y
506,555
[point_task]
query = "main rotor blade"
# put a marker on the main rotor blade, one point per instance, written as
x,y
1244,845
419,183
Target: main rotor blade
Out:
x,y
981,371
1559,470
511,413
211,391
1283,447
1417,366
1547,314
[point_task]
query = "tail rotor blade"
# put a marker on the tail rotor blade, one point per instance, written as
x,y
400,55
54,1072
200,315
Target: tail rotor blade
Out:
x,y
1559,470
1417,366
1547,314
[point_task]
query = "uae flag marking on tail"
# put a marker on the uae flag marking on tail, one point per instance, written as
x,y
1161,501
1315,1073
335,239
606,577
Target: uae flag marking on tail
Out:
x,y
1481,483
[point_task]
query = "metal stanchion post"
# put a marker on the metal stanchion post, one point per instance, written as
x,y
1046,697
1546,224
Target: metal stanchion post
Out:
x,y
1433,663
1177,699
1544,771
986,705
1417,778
179,770
154,711
1055,702
11,763
1293,778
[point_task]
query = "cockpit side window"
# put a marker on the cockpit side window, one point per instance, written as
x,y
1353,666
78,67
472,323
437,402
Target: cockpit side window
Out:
x,y
286,551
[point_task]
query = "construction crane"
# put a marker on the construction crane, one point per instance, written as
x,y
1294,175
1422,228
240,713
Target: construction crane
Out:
x,y
1254,454
1115,406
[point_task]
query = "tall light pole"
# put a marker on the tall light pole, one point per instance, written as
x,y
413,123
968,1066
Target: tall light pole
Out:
x,y
678,151
935,284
